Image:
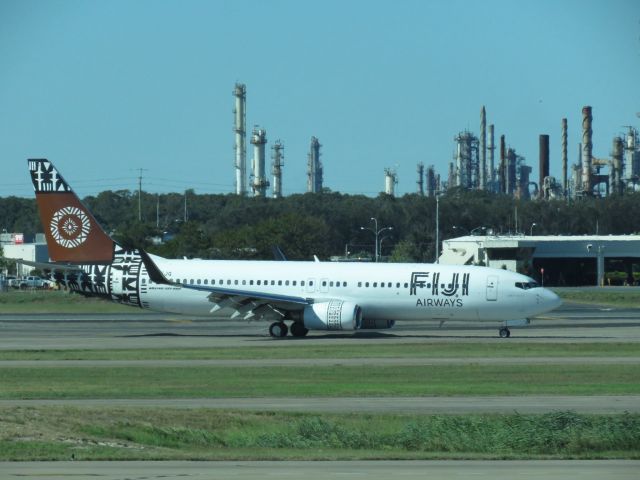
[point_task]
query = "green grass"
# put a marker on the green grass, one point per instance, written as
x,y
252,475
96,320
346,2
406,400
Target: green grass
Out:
x,y
58,433
223,382
630,298
57,301
298,349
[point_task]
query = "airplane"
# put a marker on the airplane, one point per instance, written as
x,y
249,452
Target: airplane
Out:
x,y
295,296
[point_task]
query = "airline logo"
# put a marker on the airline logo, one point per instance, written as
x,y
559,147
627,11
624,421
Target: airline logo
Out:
x,y
70,227
420,280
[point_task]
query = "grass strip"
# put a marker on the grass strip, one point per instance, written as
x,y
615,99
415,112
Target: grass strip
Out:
x,y
630,298
57,301
60,433
295,349
333,381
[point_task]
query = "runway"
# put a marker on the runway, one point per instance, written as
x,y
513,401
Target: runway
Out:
x,y
571,323
371,470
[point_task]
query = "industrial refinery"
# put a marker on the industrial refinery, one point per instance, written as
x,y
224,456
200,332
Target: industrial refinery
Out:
x,y
475,164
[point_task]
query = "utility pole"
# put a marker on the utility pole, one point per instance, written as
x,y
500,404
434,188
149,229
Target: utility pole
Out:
x,y
140,193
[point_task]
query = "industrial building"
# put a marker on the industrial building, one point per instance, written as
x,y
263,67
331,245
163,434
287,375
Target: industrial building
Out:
x,y
17,246
556,260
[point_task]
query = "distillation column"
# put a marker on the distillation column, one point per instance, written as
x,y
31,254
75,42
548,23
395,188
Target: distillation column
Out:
x,y
491,148
314,168
276,168
543,142
483,149
420,181
390,181
564,158
260,182
587,150
240,129
615,177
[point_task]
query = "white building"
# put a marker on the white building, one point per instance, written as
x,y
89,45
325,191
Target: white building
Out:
x,y
13,247
558,260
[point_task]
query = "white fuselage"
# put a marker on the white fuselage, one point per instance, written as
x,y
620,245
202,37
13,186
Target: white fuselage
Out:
x,y
383,291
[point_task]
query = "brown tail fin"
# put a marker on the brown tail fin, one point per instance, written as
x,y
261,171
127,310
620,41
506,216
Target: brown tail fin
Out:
x,y
73,235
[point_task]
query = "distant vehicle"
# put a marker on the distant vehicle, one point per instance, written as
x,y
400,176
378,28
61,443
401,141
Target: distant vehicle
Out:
x,y
11,280
32,282
308,295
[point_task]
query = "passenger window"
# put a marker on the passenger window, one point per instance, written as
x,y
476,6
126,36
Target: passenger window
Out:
x,y
389,285
259,282
251,282
279,282
366,284
286,282
273,282
302,283
398,285
331,284
191,281
213,282
381,284
311,283
344,284
359,284
406,285
228,282
375,284
294,283
177,280
206,282
324,284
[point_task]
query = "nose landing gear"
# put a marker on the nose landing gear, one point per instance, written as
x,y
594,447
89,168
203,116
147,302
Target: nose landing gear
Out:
x,y
505,332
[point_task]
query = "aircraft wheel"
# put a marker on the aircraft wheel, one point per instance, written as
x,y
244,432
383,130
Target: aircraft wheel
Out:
x,y
299,330
278,330
505,332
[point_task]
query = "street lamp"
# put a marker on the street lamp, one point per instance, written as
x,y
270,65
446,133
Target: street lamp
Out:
x,y
377,233
531,229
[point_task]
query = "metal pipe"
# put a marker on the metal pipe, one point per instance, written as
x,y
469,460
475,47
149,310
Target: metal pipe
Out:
x,y
616,167
564,157
420,181
314,168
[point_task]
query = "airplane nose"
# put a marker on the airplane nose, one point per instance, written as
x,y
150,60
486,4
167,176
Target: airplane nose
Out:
x,y
550,299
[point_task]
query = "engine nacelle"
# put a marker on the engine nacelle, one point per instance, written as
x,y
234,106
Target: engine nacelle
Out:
x,y
332,315
376,324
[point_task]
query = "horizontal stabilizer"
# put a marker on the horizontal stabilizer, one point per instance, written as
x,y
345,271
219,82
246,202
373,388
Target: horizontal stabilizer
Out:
x,y
51,267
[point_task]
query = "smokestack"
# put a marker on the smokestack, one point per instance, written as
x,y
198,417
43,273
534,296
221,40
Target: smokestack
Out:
x,y
240,129
503,165
564,157
260,182
491,149
483,149
420,181
314,168
276,168
431,181
587,149
544,159
616,170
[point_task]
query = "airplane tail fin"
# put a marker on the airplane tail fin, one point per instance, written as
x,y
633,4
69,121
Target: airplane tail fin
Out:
x,y
73,234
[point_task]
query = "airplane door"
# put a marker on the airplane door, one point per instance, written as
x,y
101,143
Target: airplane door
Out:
x,y
492,288
311,285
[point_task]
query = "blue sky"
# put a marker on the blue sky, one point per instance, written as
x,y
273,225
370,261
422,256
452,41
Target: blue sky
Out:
x,y
103,88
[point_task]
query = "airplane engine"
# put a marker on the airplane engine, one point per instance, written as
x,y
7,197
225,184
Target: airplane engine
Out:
x,y
332,315
376,324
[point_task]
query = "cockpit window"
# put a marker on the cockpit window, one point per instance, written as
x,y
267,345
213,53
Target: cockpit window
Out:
x,y
527,285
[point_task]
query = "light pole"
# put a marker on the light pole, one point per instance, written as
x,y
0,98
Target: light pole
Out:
x,y
377,233
531,229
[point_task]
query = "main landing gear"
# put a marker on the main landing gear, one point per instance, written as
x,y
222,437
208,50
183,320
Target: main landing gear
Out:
x,y
280,330
505,332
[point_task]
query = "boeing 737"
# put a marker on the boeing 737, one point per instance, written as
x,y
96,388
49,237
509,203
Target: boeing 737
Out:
x,y
294,296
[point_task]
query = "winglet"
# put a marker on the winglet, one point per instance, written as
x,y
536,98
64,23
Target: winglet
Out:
x,y
155,274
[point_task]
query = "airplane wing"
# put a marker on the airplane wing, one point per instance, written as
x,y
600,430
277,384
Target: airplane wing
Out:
x,y
247,304
51,267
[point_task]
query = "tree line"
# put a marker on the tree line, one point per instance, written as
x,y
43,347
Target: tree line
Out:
x,y
328,223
